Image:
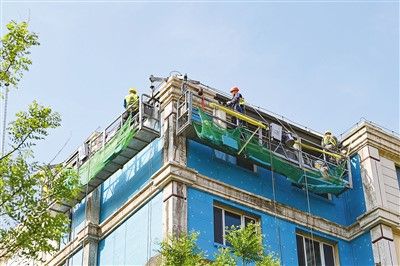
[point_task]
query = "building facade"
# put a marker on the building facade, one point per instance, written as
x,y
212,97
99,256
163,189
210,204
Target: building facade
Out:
x,y
180,180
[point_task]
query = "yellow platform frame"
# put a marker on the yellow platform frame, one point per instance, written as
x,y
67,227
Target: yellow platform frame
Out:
x,y
240,116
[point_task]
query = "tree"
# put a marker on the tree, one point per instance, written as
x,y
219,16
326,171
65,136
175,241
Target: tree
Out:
x,y
224,258
28,188
246,242
245,245
14,52
181,250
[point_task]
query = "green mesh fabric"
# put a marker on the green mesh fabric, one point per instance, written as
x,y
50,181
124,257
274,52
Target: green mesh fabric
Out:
x,y
210,132
110,150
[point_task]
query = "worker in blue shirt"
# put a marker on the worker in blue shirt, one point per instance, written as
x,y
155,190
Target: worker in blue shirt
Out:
x,y
237,101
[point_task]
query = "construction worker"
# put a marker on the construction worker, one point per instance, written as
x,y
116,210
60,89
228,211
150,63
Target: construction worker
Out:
x,y
329,143
131,101
323,168
237,101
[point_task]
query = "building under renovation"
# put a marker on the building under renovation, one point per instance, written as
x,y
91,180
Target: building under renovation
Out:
x,y
184,163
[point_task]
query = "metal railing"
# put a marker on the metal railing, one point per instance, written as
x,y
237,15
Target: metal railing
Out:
x,y
189,102
146,116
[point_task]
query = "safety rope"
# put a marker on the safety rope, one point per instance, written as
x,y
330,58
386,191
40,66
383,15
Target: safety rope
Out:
x,y
277,226
4,133
149,217
309,212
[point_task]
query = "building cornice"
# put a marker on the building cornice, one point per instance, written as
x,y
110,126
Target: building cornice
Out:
x,y
367,134
88,233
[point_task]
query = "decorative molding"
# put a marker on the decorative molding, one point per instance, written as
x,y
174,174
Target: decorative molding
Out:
x,y
367,134
89,232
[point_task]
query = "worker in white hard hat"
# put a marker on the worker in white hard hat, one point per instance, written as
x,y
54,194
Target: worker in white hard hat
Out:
x,y
131,101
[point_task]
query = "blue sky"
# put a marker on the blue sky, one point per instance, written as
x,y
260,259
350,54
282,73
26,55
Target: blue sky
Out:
x,y
321,64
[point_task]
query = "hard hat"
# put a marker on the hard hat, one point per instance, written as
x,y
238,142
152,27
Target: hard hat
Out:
x,y
233,89
327,132
132,90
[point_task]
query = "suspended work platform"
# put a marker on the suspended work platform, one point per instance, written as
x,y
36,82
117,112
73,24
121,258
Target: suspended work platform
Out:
x,y
106,152
304,164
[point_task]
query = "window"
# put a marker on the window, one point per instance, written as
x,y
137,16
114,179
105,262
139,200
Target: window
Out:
x,y
224,218
312,252
245,163
239,161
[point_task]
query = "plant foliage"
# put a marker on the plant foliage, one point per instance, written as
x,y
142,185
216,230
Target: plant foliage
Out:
x,y
27,188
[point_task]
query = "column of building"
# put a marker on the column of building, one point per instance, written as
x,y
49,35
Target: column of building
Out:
x,y
174,192
378,152
92,219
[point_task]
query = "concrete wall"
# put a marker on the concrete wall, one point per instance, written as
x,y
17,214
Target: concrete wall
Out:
x,y
391,184
136,240
380,180
280,235
342,210
396,241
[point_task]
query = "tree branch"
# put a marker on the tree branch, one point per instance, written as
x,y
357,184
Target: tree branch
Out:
x,y
19,146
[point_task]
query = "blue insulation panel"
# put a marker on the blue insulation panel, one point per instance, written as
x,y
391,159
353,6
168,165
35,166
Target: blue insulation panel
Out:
x,y
77,218
136,240
135,174
279,235
230,142
76,259
342,209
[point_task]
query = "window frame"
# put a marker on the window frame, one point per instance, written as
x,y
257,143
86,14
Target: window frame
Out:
x,y
321,242
243,215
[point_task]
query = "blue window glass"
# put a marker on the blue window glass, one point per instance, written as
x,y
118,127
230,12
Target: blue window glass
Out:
x,y
232,219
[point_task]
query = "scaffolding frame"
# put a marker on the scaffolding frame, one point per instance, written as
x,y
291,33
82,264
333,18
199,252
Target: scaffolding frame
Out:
x,y
305,156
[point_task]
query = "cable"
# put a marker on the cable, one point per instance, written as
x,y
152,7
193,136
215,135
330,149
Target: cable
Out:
x,y
273,192
275,209
58,153
3,137
149,215
309,212
305,176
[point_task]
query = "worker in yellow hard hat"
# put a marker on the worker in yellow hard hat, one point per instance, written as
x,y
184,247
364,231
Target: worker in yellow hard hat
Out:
x,y
329,143
131,100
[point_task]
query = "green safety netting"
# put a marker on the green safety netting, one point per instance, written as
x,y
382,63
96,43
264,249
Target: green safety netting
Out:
x,y
110,150
208,130
232,140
